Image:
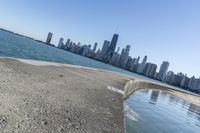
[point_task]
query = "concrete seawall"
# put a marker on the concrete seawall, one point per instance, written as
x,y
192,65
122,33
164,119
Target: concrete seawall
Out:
x,y
134,85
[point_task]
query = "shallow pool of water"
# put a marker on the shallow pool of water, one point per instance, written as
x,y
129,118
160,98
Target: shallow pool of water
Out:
x,y
156,111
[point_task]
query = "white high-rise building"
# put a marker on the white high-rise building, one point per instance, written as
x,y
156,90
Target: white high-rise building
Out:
x,y
163,70
61,43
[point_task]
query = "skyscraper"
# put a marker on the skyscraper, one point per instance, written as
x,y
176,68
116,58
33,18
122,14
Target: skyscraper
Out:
x,y
95,47
86,50
114,60
60,44
113,44
48,41
128,47
129,63
98,55
146,69
67,42
142,65
105,48
89,46
138,59
124,56
133,63
169,77
150,70
163,70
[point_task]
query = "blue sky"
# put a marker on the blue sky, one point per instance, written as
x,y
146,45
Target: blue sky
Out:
x,y
162,29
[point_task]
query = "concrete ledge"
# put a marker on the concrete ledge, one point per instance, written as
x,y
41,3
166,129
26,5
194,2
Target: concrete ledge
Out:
x,y
134,85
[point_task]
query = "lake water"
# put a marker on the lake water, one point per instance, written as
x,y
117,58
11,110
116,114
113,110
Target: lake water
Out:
x,y
156,111
146,111
12,45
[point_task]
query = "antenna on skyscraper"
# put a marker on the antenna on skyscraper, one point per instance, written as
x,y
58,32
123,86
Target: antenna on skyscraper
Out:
x,y
117,30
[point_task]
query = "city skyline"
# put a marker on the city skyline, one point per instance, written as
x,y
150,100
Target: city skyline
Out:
x,y
162,30
108,45
109,55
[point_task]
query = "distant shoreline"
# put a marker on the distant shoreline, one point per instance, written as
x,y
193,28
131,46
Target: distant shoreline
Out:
x,y
26,37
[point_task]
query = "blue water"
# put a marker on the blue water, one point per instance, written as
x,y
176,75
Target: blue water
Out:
x,y
156,111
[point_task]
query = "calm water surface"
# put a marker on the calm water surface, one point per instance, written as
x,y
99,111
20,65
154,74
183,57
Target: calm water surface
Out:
x,y
156,111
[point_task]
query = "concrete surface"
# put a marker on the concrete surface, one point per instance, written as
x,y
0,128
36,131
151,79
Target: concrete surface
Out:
x,y
53,99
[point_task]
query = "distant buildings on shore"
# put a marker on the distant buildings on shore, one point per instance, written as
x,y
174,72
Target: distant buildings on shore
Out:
x,y
49,37
108,54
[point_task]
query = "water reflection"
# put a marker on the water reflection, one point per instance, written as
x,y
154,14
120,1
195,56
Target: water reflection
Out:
x,y
145,91
161,112
194,110
154,97
163,93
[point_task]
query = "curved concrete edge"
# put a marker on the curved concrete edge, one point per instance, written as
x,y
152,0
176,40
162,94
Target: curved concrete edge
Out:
x,y
133,85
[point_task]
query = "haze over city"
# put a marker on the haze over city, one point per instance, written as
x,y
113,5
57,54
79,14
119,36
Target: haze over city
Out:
x,y
163,30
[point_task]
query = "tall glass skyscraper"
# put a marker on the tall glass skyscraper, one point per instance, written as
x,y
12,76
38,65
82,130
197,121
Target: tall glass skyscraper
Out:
x,y
113,44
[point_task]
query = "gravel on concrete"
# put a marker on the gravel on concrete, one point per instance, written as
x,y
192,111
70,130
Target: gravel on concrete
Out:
x,y
53,99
